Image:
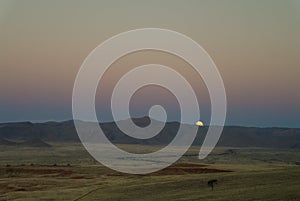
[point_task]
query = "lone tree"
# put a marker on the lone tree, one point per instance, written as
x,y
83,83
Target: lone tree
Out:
x,y
211,183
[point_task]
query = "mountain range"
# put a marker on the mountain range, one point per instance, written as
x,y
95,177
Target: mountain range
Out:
x,y
37,134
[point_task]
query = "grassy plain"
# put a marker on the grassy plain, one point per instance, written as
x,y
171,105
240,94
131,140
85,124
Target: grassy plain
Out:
x,y
68,172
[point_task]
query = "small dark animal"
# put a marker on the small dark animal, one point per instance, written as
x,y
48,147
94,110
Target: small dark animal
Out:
x,y
211,183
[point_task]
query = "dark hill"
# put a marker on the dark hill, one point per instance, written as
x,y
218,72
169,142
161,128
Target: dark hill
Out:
x,y
7,142
34,143
233,136
296,146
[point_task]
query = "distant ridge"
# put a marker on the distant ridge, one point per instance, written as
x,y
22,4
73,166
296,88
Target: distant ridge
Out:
x,y
232,136
36,142
7,142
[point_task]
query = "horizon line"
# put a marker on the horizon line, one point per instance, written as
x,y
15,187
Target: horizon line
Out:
x,y
168,121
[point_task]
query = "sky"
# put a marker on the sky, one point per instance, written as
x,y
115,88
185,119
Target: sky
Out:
x,y
255,45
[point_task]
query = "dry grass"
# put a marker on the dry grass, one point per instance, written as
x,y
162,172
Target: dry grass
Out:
x,y
241,176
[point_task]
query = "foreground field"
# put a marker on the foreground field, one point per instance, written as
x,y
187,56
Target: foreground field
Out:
x,y
69,173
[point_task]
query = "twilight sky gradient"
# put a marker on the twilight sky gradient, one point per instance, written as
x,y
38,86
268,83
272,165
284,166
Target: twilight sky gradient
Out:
x,y
255,44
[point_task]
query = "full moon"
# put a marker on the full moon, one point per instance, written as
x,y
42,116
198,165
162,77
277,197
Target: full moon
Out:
x,y
199,123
